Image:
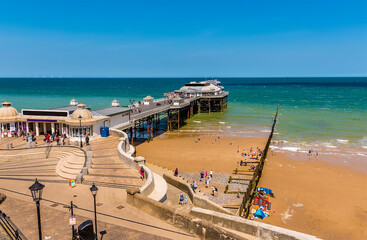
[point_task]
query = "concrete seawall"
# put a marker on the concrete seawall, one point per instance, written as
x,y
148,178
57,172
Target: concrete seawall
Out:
x,y
193,225
126,153
257,229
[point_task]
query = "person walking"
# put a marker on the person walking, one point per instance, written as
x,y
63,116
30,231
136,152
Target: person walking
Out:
x,y
141,172
194,186
58,140
87,139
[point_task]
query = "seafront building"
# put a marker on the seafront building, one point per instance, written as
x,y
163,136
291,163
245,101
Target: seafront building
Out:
x,y
71,120
77,119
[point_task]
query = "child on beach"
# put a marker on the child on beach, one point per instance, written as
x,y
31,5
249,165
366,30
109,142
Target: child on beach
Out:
x,y
182,198
214,191
176,172
207,182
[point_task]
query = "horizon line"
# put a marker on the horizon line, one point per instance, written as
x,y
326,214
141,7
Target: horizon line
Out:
x,y
209,78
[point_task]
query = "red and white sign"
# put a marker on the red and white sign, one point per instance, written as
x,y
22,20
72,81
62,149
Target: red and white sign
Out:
x,y
72,220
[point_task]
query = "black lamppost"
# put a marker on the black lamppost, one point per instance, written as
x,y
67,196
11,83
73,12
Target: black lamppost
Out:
x,y
36,190
94,191
80,130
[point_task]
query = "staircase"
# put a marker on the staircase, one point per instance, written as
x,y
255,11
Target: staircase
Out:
x,y
70,163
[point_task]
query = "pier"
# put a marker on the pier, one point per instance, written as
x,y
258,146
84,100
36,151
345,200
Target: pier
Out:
x,y
175,109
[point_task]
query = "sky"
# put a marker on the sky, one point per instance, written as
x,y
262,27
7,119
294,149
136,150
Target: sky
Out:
x,y
191,38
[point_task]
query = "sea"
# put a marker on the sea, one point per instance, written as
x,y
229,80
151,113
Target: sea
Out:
x,y
328,114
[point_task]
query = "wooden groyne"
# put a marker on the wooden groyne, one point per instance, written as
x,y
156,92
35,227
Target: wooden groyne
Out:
x,y
249,194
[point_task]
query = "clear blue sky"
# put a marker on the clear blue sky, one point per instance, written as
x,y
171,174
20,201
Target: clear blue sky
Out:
x,y
183,38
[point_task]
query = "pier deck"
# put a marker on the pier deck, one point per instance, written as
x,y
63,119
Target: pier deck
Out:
x,y
189,106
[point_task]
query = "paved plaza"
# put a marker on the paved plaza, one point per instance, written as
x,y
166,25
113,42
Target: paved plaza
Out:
x,y
19,168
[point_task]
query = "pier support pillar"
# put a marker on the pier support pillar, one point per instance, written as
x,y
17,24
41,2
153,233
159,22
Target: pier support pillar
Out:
x,y
148,135
131,136
168,121
27,127
178,119
53,127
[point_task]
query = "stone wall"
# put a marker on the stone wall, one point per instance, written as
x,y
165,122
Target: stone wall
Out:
x,y
190,224
126,154
260,230
196,200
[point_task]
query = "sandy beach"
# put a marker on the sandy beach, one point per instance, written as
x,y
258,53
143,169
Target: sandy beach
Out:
x,y
315,196
212,152
187,153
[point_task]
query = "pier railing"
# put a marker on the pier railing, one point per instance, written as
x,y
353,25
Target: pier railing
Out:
x,y
247,198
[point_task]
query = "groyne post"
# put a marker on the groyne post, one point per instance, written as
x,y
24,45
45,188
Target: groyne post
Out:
x,y
247,198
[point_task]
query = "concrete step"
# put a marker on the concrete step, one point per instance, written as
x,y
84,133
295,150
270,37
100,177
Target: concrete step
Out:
x,y
65,175
69,170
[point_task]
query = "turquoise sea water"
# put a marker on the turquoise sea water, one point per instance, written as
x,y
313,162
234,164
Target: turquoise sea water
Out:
x,y
330,112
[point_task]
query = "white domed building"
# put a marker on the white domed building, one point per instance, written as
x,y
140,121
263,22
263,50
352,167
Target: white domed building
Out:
x,y
9,120
198,89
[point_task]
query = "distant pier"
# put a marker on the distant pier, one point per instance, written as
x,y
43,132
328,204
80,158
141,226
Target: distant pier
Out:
x,y
176,107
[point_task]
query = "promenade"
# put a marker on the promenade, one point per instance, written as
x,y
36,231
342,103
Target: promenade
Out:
x,y
19,168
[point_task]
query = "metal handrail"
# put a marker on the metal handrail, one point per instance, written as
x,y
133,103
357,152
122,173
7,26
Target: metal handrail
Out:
x,y
10,228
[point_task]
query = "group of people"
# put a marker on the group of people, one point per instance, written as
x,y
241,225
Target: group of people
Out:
x,y
60,139
251,154
204,176
29,137
310,153
135,107
207,178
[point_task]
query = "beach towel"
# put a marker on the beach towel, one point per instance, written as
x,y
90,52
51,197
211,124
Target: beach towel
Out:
x,y
266,190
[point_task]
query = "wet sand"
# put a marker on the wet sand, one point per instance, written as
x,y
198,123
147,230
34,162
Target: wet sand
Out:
x,y
315,196
189,154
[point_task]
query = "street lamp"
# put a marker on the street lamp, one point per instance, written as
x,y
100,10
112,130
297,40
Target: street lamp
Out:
x,y
94,191
36,190
80,130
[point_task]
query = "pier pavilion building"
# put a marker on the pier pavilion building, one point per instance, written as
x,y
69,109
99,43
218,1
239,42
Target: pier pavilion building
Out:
x,y
210,94
73,120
